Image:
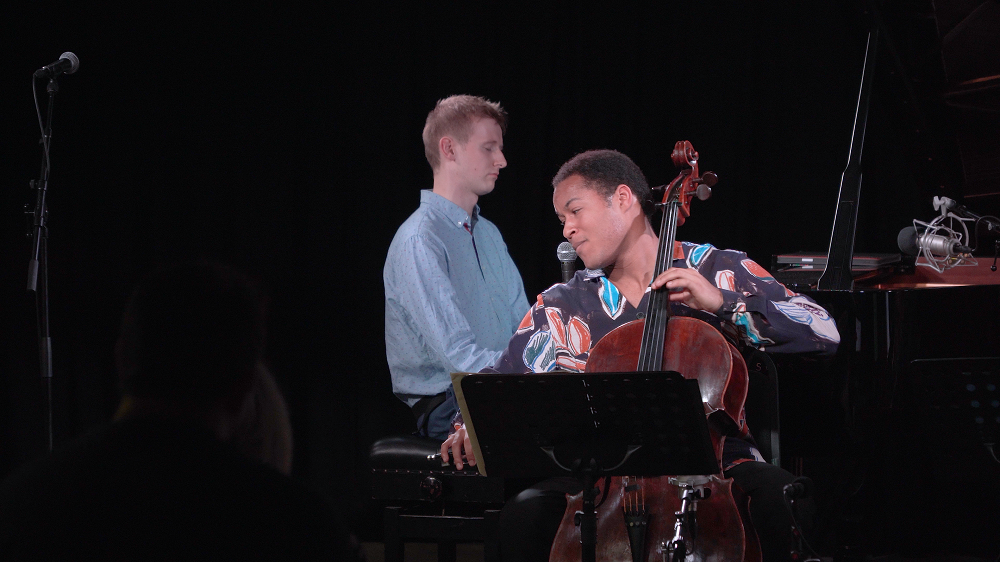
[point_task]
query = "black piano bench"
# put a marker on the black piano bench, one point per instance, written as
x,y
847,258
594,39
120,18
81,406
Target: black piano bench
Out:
x,y
428,502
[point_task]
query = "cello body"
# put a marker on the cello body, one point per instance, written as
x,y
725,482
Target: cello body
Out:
x,y
721,536
724,531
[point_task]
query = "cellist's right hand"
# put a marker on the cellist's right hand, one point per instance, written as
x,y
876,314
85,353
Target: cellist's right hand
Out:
x,y
459,447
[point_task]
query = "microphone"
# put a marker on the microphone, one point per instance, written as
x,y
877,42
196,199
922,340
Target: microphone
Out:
x,y
567,257
951,205
912,244
801,487
943,203
68,63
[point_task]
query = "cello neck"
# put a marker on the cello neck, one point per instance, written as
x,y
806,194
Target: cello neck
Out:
x,y
654,332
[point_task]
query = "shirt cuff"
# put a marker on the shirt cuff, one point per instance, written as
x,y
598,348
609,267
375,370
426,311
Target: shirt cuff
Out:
x,y
456,422
732,302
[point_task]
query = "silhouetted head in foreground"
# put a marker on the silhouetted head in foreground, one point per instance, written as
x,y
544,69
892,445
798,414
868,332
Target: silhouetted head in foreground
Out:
x,y
191,341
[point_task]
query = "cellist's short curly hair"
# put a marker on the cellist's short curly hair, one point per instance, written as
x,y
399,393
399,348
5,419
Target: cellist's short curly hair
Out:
x,y
605,170
453,116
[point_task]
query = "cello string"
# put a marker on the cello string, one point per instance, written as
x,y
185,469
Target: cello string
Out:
x,y
658,305
666,256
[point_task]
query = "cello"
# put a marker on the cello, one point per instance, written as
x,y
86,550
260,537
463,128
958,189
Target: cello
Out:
x,y
678,518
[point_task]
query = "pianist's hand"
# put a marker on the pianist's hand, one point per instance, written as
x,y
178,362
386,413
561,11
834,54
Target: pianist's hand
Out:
x,y
459,446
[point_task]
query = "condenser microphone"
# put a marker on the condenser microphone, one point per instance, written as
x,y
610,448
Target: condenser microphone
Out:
x,y
567,257
68,63
913,244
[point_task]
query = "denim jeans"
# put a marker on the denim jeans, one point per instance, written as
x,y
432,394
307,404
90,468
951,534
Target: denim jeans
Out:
x,y
438,420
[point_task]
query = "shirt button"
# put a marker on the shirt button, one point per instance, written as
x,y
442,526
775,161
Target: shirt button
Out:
x,y
640,315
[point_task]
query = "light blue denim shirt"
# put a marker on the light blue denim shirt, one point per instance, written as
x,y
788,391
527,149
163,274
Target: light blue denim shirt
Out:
x,y
453,297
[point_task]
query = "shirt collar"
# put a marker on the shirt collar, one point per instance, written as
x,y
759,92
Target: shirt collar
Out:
x,y
455,214
595,273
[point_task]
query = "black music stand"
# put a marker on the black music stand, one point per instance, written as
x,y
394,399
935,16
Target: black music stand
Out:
x,y
588,425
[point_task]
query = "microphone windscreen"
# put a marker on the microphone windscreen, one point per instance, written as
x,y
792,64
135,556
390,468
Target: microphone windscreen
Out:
x,y
73,59
565,252
907,241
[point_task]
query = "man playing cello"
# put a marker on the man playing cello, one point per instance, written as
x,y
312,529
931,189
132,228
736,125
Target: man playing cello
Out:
x,y
603,201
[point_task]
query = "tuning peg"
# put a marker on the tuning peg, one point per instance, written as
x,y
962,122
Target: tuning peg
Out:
x,y
703,191
708,178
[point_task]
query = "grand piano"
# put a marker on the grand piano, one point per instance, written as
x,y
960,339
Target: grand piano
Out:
x,y
900,429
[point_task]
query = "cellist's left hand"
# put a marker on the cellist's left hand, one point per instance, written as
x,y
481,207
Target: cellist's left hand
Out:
x,y
691,288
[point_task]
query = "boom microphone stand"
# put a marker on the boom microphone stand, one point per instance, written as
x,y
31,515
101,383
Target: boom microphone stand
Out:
x,y
38,268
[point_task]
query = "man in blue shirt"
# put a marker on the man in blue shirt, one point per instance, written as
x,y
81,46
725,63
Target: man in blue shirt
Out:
x,y
453,296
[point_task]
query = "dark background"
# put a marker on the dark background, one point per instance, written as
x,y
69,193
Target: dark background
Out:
x,y
285,139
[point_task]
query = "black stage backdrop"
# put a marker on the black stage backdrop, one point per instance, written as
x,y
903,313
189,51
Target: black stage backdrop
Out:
x,y
285,139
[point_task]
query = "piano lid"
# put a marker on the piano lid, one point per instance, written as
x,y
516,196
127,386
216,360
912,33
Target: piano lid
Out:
x,y
932,80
